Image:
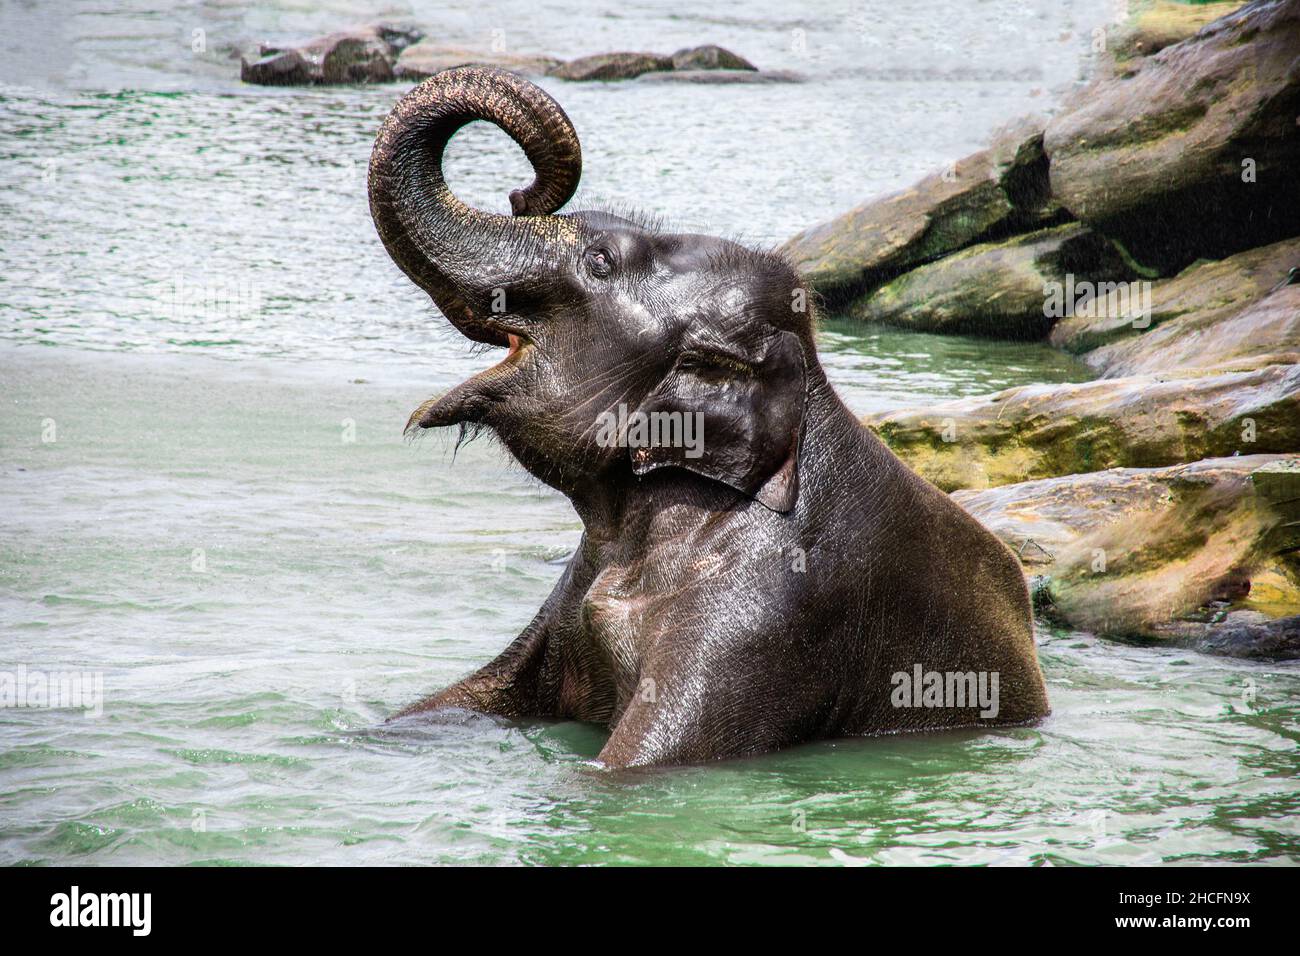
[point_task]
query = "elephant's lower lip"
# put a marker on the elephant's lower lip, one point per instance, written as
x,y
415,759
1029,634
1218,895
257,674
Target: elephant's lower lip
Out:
x,y
455,405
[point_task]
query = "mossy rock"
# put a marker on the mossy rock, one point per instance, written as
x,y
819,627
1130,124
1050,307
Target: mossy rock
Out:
x,y
1143,551
1189,153
988,196
994,290
1238,311
1044,431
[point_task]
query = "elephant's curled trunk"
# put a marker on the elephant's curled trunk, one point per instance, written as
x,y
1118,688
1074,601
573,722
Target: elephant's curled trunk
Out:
x,y
454,252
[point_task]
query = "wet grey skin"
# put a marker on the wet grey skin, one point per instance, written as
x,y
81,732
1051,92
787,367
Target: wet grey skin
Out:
x,y
760,594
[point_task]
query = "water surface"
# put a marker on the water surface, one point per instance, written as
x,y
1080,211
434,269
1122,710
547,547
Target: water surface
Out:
x,y
213,508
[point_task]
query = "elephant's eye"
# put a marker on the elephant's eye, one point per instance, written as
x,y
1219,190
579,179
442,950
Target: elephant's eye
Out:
x,y
599,262
714,367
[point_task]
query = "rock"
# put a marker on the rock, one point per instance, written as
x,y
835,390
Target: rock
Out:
x,y
398,36
1190,153
395,37
1279,484
723,76
355,59
993,194
277,69
361,55
1137,551
1041,520
611,66
427,58
1238,312
1042,431
709,57
1151,28
991,289
700,64
387,51
1276,640
1265,333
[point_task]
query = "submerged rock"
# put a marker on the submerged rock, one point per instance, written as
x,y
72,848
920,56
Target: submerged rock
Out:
x,y
723,76
1139,552
278,69
611,66
1239,634
360,55
991,289
1190,153
709,57
1043,431
995,193
427,58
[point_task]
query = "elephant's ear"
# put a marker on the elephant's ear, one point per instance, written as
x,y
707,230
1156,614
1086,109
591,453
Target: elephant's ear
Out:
x,y
742,420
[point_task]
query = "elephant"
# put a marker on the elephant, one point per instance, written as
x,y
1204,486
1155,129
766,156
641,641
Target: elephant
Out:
x,y
757,569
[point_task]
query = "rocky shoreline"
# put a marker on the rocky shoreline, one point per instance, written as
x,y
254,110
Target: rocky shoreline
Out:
x,y
388,52
1152,228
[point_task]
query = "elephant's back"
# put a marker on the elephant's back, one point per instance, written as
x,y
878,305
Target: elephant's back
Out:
x,y
940,592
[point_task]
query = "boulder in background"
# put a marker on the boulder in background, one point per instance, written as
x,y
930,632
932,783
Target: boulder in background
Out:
x,y
992,194
611,66
1043,431
1192,152
709,57
995,290
1142,551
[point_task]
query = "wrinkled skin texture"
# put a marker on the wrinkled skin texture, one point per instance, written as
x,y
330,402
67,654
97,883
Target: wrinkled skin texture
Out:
x,y
756,595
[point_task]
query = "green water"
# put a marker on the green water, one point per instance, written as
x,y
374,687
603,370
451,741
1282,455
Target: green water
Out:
x,y
213,513
341,579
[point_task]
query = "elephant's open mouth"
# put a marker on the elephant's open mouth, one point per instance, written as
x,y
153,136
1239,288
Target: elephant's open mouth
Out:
x,y
475,393
514,341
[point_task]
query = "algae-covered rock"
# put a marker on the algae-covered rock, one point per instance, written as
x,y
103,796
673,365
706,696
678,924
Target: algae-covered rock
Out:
x,y
1190,153
997,290
1041,520
611,66
1153,25
709,57
994,193
1278,483
1267,332
1195,318
360,55
1042,431
1145,551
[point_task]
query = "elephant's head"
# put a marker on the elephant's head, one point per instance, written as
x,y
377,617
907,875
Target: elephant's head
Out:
x,y
603,318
